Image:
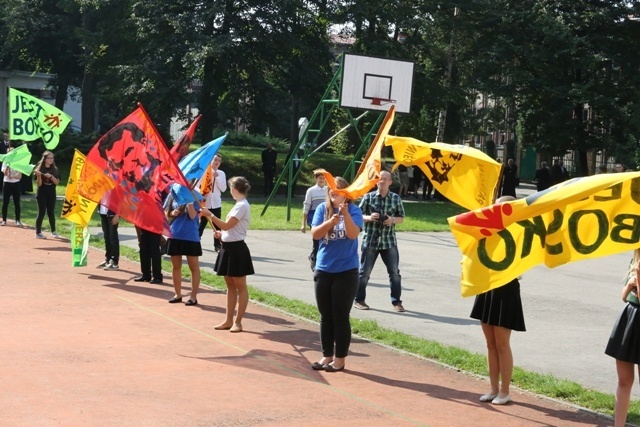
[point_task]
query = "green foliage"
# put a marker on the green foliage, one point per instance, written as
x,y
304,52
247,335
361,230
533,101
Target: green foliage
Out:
x,y
245,139
340,144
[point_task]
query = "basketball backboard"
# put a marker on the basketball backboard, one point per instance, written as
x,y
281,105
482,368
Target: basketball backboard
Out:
x,y
371,83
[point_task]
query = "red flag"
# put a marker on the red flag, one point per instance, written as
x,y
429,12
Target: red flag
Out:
x,y
181,147
135,158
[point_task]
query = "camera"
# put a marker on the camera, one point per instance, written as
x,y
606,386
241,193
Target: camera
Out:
x,y
382,219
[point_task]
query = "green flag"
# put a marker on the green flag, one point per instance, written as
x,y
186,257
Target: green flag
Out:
x,y
18,159
79,245
31,118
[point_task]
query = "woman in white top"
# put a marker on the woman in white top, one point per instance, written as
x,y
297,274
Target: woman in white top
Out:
x,y
11,188
234,260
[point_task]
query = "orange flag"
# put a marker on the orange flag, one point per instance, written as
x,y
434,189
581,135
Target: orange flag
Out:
x,y
369,172
206,185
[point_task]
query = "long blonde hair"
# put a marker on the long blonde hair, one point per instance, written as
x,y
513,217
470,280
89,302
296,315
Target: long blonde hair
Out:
x,y
635,261
328,208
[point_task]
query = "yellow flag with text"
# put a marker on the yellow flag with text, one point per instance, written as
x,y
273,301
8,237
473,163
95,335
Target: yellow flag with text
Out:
x,y
575,220
369,172
463,174
76,208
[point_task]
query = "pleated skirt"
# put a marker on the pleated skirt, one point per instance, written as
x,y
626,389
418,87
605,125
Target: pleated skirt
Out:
x,y
624,342
234,260
501,307
183,247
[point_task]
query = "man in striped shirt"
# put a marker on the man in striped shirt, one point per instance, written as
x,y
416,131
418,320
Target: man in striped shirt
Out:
x,y
315,195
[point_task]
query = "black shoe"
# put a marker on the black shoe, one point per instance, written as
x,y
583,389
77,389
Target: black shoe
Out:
x,y
317,366
191,302
175,300
331,368
141,279
155,281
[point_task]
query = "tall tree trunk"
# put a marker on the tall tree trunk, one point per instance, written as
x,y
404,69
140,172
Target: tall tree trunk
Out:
x,y
88,110
61,94
295,113
208,105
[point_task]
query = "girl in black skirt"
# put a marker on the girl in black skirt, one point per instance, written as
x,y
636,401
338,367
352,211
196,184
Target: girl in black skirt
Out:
x,y
234,260
500,312
624,342
184,241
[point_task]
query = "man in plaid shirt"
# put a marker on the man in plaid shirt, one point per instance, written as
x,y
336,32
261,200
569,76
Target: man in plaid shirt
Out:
x,y
381,211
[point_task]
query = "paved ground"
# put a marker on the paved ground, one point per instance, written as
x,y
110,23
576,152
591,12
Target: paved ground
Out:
x,y
569,311
85,347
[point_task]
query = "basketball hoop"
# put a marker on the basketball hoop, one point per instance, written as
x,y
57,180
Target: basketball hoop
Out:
x,y
382,101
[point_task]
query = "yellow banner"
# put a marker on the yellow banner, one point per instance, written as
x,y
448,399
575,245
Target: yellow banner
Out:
x,y
579,219
93,182
369,172
76,208
462,174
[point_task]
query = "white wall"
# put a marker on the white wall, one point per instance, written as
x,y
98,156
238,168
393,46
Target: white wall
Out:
x,y
25,80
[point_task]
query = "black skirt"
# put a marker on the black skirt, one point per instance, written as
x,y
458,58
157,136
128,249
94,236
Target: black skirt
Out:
x,y
234,260
501,307
183,247
624,342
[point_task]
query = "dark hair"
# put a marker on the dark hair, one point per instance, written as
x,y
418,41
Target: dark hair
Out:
x,y
241,184
328,208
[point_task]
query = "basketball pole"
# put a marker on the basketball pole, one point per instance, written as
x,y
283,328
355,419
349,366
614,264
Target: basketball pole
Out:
x,y
310,144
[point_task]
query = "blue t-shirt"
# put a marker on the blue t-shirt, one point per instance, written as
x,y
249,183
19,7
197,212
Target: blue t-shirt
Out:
x,y
338,253
185,228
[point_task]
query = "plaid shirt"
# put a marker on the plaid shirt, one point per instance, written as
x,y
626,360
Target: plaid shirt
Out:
x,y
376,235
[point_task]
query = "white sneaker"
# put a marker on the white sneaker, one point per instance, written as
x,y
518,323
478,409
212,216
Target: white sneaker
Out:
x,y
3,223
18,224
103,264
40,236
55,235
111,267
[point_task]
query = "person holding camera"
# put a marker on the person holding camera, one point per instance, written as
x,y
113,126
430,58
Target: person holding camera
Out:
x,y
382,210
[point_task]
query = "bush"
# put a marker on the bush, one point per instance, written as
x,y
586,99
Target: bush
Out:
x,y
244,139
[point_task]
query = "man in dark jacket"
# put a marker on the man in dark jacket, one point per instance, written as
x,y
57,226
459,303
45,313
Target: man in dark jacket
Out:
x,y
543,177
269,156
559,172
